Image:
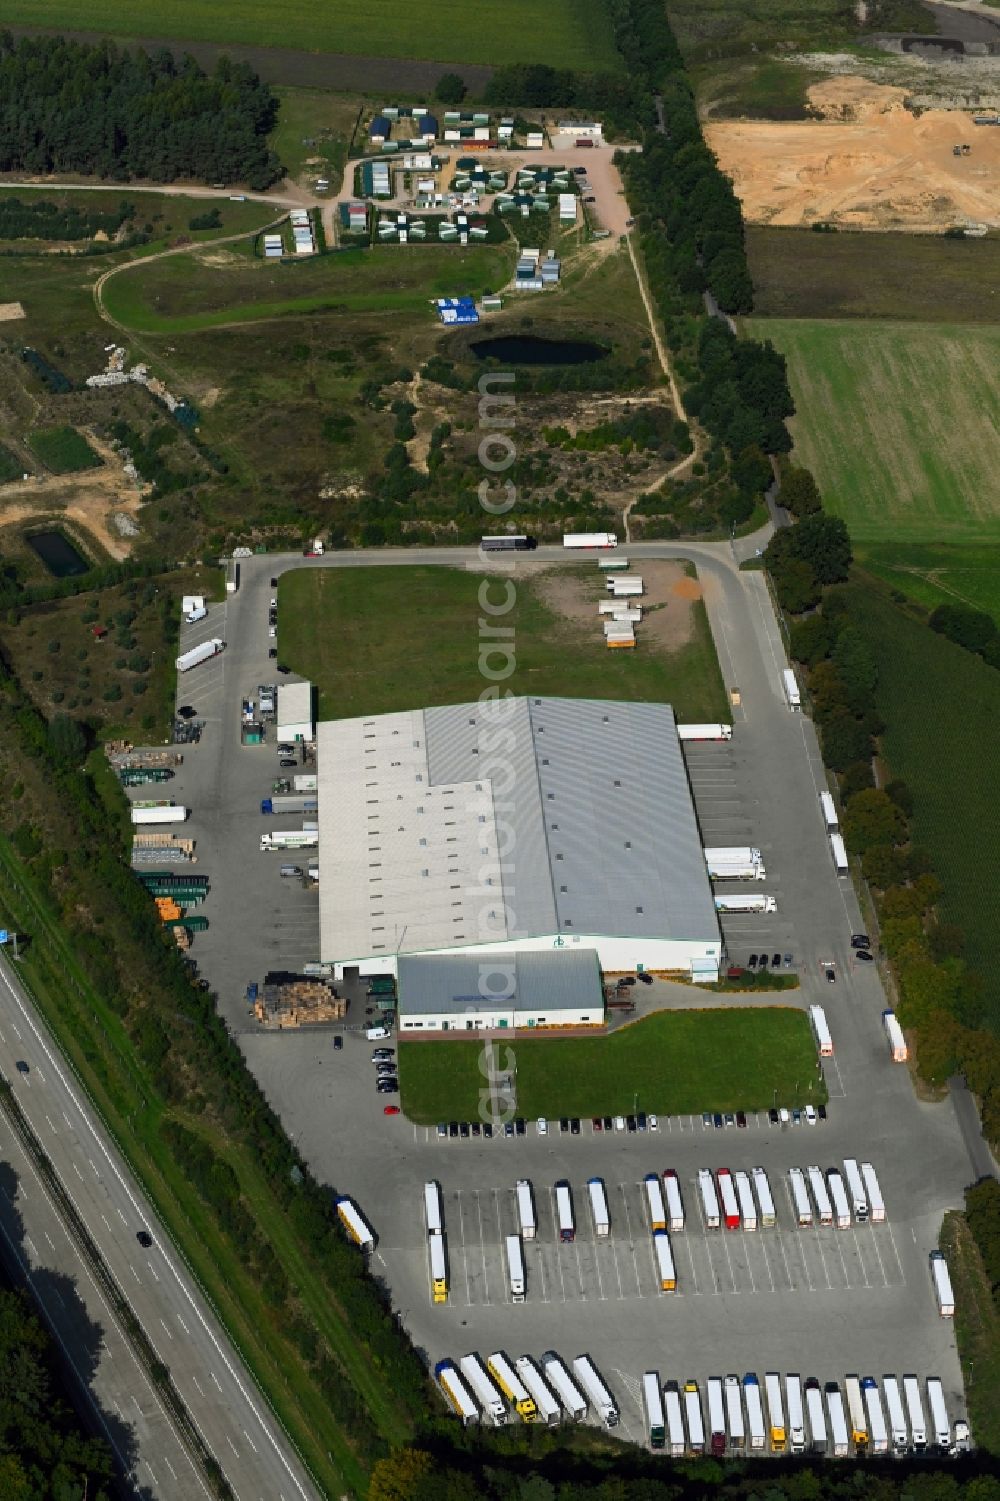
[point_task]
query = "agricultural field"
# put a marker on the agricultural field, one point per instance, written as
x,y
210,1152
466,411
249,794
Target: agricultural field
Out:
x,y
62,450
670,1063
396,638
566,33
900,423
942,706
223,287
800,274
936,575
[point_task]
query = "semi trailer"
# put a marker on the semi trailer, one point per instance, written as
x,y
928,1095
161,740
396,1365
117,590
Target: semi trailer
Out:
x,y
675,1204
856,1190
545,1403
727,1195
158,813
915,1412
694,1418
838,1196
817,1416
709,1199
876,1204
654,1203
573,1401
515,1268
675,1419
353,1222
856,1414
564,1211
940,1426
289,839
877,1431
596,1392
512,1386
755,1412
483,1388
897,1416
704,732
589,539
796,1419
821,1031
525,1208
762,1188
840,1445
652,1401
943,1290
456,1393
198,654
800,1198
734,1414
775,1412
744,1193
898,1051
733,902
792,695
821,1197
665,1269
290,803
716,1417
599,1208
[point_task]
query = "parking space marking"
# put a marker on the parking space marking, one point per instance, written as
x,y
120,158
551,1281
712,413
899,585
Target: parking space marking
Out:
x,y
465,1259
482,1247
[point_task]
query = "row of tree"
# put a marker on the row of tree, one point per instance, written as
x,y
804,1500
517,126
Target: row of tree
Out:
x,y
58,219
108,112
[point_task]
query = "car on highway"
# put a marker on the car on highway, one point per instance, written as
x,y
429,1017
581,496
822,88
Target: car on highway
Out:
x,y
144,1238
390,1109
865,955
860,941
21,1066
831,977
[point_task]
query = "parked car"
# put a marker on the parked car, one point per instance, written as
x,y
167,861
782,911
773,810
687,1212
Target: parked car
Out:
x,y
542,1126
564,1124
379,1055
762,962
272,632
385,1069
186,712
463,1130
22,1067
487,1131
626,980
387,1086
597,1124
772,1117
338,1043
865,954
741,1119
752,962
519,1126
619,1123
390,1109
476,1128
608,1123
783,1117
654,1124
442,1131
860,941
796,1116
274,583
508,1129
630,1123
706,1117
831,977
453,1128
775,961
640,1120
729,1118
810,1115
574,1126
788,961
645,978
282,668
288,761
272,652
821,1112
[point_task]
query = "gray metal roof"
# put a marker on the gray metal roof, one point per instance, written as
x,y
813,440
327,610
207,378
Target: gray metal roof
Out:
x,y
563,980
446,827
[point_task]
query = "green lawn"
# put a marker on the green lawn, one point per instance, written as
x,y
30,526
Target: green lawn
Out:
x,y
566,33
942,708
313,133
671,1063
376,640
62,449
900,422
182,293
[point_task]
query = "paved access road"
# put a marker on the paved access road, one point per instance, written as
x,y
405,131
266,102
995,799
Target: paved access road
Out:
x,y
218,1392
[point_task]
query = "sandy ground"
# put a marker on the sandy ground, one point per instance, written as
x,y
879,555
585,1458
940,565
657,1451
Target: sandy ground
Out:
x,y
666,604
87,499
867,163
9,311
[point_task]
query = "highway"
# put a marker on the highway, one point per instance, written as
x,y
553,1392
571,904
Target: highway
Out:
x,y
234,1421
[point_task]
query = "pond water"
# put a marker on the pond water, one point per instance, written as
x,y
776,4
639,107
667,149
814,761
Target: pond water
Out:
x,y
528,349
57,553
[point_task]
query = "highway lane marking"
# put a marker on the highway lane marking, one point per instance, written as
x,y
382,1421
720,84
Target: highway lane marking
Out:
x,y
232,1446
166,1330
31,1247
61,1076
51,1127
48,1237
183,1325
19,1037
250,1441
121,1216
94,1166
149,1467
67,1120
216,1380
135,1274
106,1221
76,1170
170,1467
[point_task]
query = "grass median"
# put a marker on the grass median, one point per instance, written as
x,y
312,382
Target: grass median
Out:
x,y
671,1063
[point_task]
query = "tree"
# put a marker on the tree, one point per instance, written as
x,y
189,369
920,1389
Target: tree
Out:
x,y
845,740
798,492
856,778
67,740
883,866
940,1040
945,940
812,639
400,1477
855,661
824,543
973,629
751,471
450,88
872,818
796,586
901,796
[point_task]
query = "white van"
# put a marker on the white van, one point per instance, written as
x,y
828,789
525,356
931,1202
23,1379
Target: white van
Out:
x,y
376,1034
194,615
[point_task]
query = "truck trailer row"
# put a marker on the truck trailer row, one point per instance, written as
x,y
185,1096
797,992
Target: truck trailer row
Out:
x,y
548,1390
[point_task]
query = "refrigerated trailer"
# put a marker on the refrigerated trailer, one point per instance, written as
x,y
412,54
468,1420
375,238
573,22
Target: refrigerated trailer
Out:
x,y
915,1411
652,1401
439,1268
898,1051
545,1402
839,1442
486,1393
694,1418
675,1204
821,1031
755,1411
564,1211
800,1198
838,849
158,813
654,1203
734,1413
775,1412
791,687
456,1393
353,1222
704,732
838,1194
433,1213
796,1421
821,1198
515,1268
817,1416
740,852
744,1193
716,1417
943,1290
856,1190
727,1195
897,1417
573,1401
664,1261
599,1207
198,654
762,1188
733,869
289,839
856,1413
709,1199
877,1431
596,1392
736,902
589,539
526,1208
675,1419
511,1385
940,1426
829,809
876,1204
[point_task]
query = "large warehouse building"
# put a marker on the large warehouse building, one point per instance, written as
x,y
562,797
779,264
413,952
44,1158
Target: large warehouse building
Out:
x,y
525,824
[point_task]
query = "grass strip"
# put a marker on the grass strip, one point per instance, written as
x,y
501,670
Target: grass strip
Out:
x,y
977,1330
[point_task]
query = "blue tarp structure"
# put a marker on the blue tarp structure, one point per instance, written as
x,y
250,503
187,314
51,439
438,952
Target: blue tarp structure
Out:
x,y
454,310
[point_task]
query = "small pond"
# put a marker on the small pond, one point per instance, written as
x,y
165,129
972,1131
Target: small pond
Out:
x,y
57,553
528,349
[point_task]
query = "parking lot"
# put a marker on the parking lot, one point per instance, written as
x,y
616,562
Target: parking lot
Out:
x,y
744,1301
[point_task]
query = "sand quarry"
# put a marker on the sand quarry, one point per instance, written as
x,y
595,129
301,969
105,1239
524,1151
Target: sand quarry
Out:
x,y
865,162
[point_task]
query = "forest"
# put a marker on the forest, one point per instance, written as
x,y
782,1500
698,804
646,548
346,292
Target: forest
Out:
x,y
105,111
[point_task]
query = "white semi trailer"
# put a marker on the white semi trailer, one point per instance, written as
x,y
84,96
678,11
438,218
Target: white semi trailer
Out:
x,y
897,1415
709,1199
198,654
596,1392
599,1208
762,1187
589,539
515,1268
526,1209
800,1198
158,813
737,902
876,1203
573,1401
796,1418
915,1412
545,1402
483,1388
704,732
943,1289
